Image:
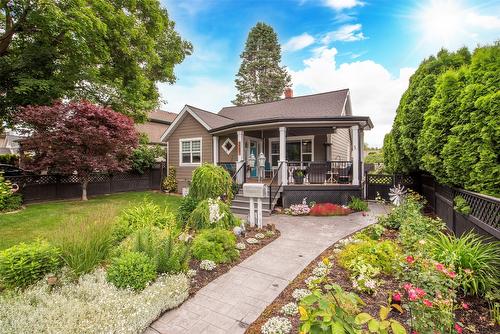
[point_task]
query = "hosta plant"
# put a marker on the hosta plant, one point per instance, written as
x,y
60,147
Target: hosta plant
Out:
x,y
383,324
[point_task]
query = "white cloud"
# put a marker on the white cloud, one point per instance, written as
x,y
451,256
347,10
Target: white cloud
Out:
x,y
204,93
298,42
342,4
346,33
374,91
487,22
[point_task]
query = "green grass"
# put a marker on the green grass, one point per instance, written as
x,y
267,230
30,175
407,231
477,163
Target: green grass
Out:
x,y
41,220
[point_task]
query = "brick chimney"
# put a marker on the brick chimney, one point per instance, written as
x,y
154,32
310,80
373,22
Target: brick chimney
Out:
x,y
288,93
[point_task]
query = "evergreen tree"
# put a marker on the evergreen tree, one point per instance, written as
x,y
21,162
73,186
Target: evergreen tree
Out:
x,y
260,77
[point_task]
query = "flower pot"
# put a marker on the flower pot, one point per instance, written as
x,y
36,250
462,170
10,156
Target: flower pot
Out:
x,y
298,179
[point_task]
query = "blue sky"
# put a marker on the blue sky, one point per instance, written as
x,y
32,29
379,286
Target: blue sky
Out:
x,y
371,47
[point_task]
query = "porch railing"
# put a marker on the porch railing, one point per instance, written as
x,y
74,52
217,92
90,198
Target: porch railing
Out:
x,y
275,186
320,172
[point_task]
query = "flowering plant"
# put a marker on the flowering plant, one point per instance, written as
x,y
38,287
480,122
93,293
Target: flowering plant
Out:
x,y
298,210
276,325
208,265
290,309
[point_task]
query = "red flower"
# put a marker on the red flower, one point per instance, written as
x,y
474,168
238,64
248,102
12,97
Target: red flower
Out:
x,y
420,292
458,328
410,259
440,267
427,302
396,297
465,306
452,274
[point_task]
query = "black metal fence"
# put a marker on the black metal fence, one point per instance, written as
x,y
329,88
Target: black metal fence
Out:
x,y
39,188
484,216
320,172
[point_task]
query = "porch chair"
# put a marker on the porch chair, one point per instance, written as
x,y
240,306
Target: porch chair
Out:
x,y
317,173
345,175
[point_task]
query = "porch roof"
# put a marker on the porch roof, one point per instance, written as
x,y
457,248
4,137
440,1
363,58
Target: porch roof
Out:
x,y
364,122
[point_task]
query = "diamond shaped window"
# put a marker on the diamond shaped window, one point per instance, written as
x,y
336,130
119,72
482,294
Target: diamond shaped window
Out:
x,y
228,146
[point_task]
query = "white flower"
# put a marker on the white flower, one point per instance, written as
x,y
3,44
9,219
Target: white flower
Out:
x,y
191,273
290,309
299,294
298,210
240,246
276,325
320,271
90,305
371,284
310,280
208,265
252,241
260,236
214,211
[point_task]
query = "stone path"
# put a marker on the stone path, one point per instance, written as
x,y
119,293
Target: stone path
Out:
x,y
234,300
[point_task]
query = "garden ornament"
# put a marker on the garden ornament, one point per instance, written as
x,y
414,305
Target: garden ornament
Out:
x,y
397,194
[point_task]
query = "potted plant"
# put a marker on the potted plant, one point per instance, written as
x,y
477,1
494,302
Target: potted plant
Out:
x,y
298,176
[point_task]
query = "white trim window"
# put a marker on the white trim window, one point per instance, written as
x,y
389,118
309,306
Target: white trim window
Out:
x,y
190,152
298,149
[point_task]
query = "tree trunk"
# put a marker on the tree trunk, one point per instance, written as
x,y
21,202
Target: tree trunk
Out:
x,y
84,189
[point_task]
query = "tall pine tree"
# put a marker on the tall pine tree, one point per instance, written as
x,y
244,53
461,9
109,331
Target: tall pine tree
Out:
x,y
261,78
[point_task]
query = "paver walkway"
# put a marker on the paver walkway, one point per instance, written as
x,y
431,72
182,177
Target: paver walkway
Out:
x,y
234,300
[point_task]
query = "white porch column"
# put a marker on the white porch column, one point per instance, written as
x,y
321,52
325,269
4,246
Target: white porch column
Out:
x,y
215,149
284,169
355,155
240,145
329,146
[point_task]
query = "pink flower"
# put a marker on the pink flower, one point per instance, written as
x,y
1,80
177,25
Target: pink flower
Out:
x,y
465,306
452,274
396,297
410,259
439,267
412,295
420,292
407,286
458,328
468,271
427,302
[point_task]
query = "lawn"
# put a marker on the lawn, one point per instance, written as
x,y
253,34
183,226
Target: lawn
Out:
x,y
40,220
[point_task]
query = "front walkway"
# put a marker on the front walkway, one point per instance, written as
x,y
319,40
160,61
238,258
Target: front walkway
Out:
x,y
234,300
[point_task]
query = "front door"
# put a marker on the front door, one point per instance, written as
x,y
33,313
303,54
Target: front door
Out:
x,y
253,150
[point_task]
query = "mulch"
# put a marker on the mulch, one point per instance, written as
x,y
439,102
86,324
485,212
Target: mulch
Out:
x,y
476,318
204,277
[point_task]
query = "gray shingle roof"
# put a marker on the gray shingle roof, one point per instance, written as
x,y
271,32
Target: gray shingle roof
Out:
x,y
213,120
328,104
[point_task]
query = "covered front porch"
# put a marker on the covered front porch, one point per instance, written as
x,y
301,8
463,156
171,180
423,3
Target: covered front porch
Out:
x,y
315,158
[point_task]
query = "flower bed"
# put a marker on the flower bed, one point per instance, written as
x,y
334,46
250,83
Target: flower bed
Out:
x,y
326,209
401,283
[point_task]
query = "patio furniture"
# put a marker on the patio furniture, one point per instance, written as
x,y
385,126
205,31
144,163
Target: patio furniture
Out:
x,y
317,173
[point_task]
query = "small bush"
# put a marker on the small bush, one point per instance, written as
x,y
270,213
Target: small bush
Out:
x,y
144,157
461,205
131,270
9,159
170,182
24,264
380,255
373,232
418,228
329,209
169,254
212,213
357,204
187,206
215,244
409,210
210,181
9,201
476,261
143,215
86,242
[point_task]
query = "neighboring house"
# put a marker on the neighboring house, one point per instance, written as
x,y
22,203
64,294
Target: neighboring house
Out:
x,y
316,134
9,142
156,125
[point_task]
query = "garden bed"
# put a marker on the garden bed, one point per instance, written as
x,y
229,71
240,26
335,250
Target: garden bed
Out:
x,y
476,317
203,277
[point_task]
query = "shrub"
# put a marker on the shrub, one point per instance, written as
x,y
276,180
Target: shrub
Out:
x,y
418,228
131,270
373,232
212,213
476,261
215,244
187,206
24,264
85,242
298,210
461,205
170,182
357,204
210,181
9,200
9,159
144,157
90,305
169,254
143,215
329,209
380,255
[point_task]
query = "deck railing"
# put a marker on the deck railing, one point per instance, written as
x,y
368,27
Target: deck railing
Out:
x,y
320,172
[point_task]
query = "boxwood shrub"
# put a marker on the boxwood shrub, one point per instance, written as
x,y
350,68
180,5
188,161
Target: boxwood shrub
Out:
x,y
217,245
131,270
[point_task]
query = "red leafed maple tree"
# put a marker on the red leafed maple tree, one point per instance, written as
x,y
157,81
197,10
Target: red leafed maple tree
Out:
x,y
76,137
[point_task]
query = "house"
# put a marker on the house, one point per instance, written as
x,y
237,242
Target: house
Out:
x,y
312,145
9,142
157,123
